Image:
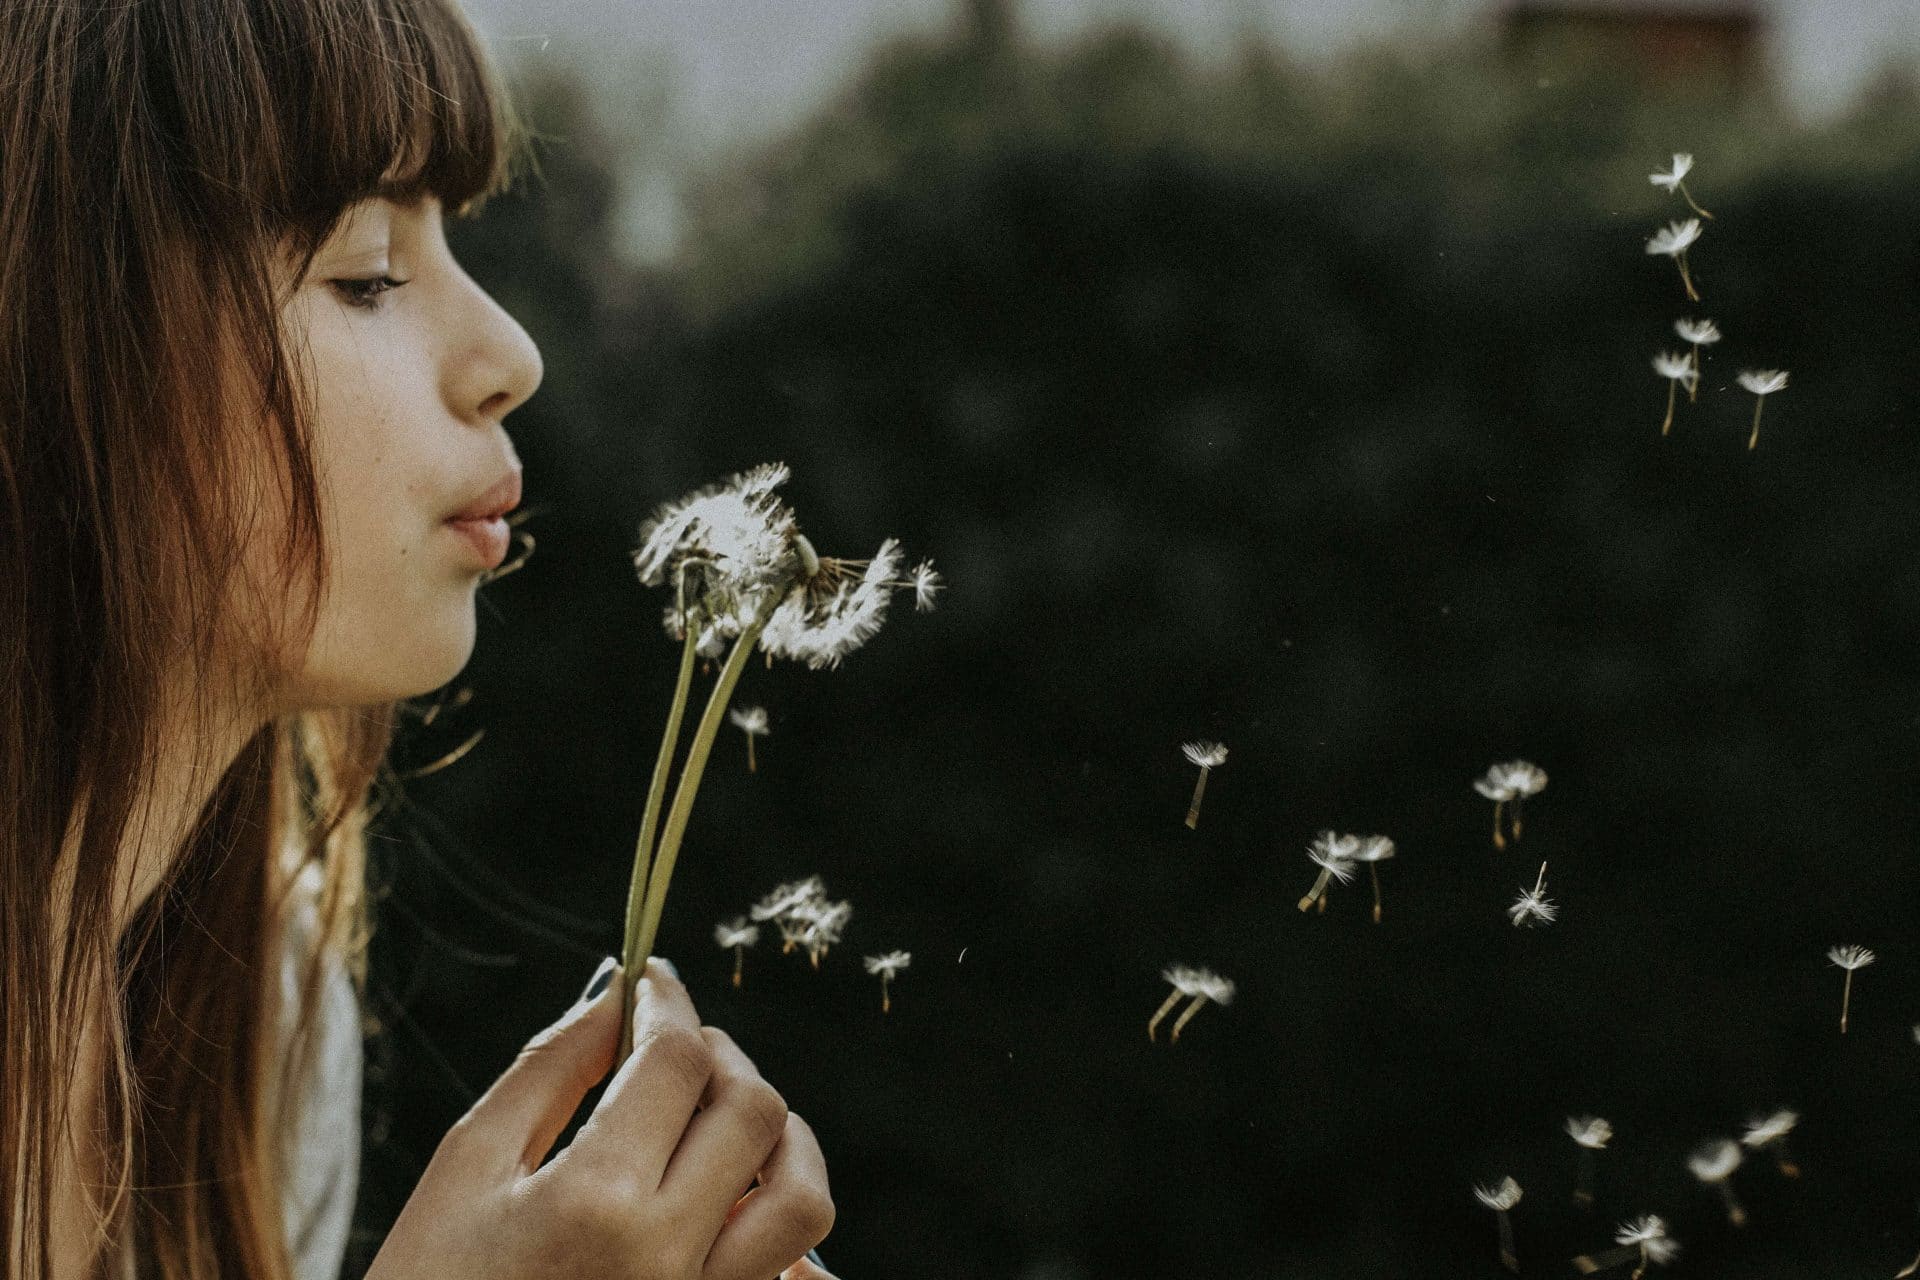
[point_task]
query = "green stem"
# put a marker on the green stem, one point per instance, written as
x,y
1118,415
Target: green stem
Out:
x,y
649,823
668,851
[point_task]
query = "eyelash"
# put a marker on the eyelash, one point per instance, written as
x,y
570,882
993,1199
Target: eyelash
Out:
x,y
365,294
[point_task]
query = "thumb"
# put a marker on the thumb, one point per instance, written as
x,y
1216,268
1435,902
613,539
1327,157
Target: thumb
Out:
x,y
534,1098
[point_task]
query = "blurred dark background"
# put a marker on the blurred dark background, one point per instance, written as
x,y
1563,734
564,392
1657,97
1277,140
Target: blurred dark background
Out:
x,y
1308,408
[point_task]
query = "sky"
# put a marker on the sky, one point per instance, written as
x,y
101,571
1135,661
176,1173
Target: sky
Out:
x,y
706,73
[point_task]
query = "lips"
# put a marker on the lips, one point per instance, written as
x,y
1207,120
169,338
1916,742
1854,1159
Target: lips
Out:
x,y
500,498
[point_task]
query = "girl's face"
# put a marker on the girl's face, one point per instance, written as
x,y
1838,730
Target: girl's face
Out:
x,y
411,385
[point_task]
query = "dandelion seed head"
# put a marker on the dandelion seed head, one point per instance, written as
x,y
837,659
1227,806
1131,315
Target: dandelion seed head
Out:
x,y
1764,1129
1493,787
888,964
1850,957
1500,1197
726,542
1207,755
1216,988
1715,1161
1374,849
1334,853
1189,981
927,583
750,719
1699,332
823,619
1677,368
783,900
1640,1230
1525,778
1682,165
1589,1131
1674,238
1532,907
1763,382
736,933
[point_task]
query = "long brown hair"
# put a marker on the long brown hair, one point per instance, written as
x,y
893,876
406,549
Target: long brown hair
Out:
x,y
160,163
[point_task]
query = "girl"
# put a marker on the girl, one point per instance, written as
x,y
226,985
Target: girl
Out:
x,y
252,448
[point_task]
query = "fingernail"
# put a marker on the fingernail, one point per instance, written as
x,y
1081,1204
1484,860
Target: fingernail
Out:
x,y
601,977
667,964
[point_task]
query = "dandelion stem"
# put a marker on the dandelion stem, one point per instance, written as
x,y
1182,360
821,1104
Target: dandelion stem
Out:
x,y
1688,197
661,874
886,998
750,764
739,959
1514,822
1846,997
649,823
1735,1214
1507,1256
1319,888
1686,277
1759,402
1199,789
1373,869
1693,383
1666,424
1163,1011
1499,841
1583,1183
1185,1017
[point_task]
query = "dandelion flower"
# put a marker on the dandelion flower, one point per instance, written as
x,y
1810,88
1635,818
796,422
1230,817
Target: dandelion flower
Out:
x,y
1533,906
1676,370
1700,333
751,721
1675,180
1335,856
1373,851
738,935
1769,1133
886,966
1510,782
1713,1163
1592,1134
1201,985
1763,383
1848,958
1645,1236
1501,1198
1207,755
1673,241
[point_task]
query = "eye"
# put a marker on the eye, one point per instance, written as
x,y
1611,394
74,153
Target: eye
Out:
x,y
365,293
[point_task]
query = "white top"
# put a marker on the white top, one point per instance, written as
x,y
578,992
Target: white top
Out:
x,y
322,1160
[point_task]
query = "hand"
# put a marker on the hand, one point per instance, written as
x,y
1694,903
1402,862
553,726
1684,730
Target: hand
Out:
x,y
650,1188
806,1269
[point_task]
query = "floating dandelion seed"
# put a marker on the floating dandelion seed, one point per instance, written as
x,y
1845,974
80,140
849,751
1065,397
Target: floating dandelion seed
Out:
x,y
1769,1133
1501,1199
926,585
1208,755
1713,1163
739,935
1675,180
1848,958
821,924
1763,383
1645,1236
740,570
1593,1134
1335,856
1533,906
886,966
1673,240
1510,782
1700,333
1373,851
751,721
1676,370
1200,984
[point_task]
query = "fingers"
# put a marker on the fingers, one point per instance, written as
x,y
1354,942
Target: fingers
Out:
x,y
779,1220
517,1120
742,1119
639,1121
